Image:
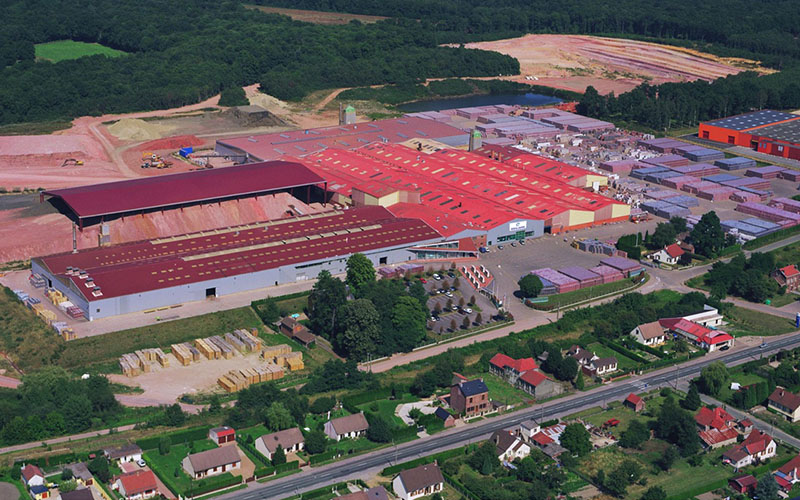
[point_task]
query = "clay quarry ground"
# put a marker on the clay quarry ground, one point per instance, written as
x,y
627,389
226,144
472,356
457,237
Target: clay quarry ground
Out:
x,y
573,62
318,16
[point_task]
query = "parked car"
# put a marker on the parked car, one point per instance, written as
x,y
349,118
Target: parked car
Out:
x,y
483,249
141,463
455,307
468,310
448,294
451,274
513,243
499,247
521,242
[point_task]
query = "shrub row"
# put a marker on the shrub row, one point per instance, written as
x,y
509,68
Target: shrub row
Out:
x,y
771,238
394,469
198,488
323,457
65,458
327,490
252,449
294,464
622,350
458,486
184,436
370,396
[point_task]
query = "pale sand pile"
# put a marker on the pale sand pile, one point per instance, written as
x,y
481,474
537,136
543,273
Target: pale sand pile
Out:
x,y
135,129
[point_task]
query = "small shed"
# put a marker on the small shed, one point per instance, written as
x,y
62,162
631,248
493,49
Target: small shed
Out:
x,y
634,402
222,435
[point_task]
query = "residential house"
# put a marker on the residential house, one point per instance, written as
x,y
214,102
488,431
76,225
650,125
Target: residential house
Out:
x,y
212,462
40,492
538,385
744,426
758,446
716,418
669,254
581,355
547,444
509,445
509,368
785,403
351,426
78,494
603,366
122,454
788,276
528,429
418,482
789,474
590,363
32,475
297,331
376,493
470,398
634,402
222,435
716,438
745,485
699,335
444,415
137,485
291,440
81,473
649,334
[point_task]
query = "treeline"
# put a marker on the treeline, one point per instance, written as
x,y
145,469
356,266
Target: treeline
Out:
x,y
769,28
181,53
745,278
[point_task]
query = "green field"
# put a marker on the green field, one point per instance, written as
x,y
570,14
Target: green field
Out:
x,y
606,352
64,50
170,463
386,408
500,390
747,322
726,394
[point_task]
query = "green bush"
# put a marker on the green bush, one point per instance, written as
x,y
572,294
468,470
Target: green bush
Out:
x,y
438,457
779,235
233,96
184,436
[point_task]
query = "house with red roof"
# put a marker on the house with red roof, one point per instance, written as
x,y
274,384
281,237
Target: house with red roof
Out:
x,y
788,276
699,335
634,402
743,484
715,438
785,403
788,474
136,485
757,447
716,418
32,475
669,255
510,368
538,385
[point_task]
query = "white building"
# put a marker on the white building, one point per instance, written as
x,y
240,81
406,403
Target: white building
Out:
x,y
418,482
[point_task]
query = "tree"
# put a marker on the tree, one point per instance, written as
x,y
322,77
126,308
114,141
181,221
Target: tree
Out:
x,y
677,426
767,488
214,405
663,236
579,382
457,283
322,405
478,319
174,415
164,445
472,300
233,96
567,369
316,442
692,400
453,325
484,459
379,431
277,417
279,457
668,457
324,303
636,434
576,439
655,493
77,411
707,236
408,319
360,321
99,468
66,474
465,324
529,286
359,272
679,223
461,302
417,290
67,486
713,378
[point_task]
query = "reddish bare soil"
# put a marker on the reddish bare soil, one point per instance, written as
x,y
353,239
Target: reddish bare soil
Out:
x,y
318,16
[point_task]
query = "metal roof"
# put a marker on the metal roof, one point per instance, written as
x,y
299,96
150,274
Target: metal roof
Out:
x,y
788,131
183,188
752,120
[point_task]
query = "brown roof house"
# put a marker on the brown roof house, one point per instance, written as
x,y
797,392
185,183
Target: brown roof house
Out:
x,y
650,334
757,447
351,426
126,453
785,403
295,330
212,462
418,482
510,446
470,397
376,493
291,440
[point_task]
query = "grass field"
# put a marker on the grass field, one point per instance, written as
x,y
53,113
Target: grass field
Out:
x,y
63,50
170,463
500,390
607,352
34,128
569,298
744,379
747,322
386,408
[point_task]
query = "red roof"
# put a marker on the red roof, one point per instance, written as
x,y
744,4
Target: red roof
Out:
x,y
136,195
633,399
519,365
792,467
715,337
684,325
30,470
542,439
138,482
533,377
756,442
180,260
674,250
790,271
717,418
715,436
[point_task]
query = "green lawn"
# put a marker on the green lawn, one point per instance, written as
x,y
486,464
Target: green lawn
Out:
x,y
314,422
386,408
63,50
607,352
573,483
747,322
500,390
782,300
349,446
743,378
256,431
170,463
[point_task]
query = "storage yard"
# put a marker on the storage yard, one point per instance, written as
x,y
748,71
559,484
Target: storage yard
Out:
x,y
574,62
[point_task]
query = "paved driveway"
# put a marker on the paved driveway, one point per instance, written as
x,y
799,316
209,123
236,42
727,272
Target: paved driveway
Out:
x,y
426,407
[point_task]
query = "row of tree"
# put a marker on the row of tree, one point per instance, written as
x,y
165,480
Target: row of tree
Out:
x,y
743,277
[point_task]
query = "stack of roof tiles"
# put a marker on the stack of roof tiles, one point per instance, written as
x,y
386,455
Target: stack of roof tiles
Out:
x,y
704,154
585,277
698,170
678,181
597,246
662,145
771,213
735,163
670,160
789,175
696,186
768,172
626,266
562,283
682,200
609,274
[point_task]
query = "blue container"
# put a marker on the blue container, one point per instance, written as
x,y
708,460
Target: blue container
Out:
x,y
186,151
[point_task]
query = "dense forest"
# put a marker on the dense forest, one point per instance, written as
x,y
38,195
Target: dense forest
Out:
x,y
182,52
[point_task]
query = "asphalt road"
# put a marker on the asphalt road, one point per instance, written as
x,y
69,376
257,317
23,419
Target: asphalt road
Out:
x,y
339,471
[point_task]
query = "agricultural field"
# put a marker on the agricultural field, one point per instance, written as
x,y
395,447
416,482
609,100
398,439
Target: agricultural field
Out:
x,y
63,50
747,322
318,16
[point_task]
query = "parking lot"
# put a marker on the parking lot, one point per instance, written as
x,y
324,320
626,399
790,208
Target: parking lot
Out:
x,y
442,292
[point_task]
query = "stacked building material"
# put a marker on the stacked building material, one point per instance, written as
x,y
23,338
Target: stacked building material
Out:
x,y
207,349
770,226
748,182
678,182
609,274
21,295
68,334
271,351
736,163
704,154
743,196
653,206
768,172
720,178
411,269
621,167
596,246
659,177
236,343
75,312
769,213
698,169
292,360
236,380
667,161
562,283
31,301
695,187
685,148
683,200
659,194
252,342
548,287
641,173
37,280
225,349
585,277
790,175
787,204
717,193
662,145
130,367
740,227
182,353
626,266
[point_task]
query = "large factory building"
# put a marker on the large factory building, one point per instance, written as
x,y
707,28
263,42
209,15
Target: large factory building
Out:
x,y
766,131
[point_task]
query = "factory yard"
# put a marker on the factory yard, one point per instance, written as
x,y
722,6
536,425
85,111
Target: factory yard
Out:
x,y
574,62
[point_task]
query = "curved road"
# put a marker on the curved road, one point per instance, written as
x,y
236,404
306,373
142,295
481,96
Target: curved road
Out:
x,y
339,471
